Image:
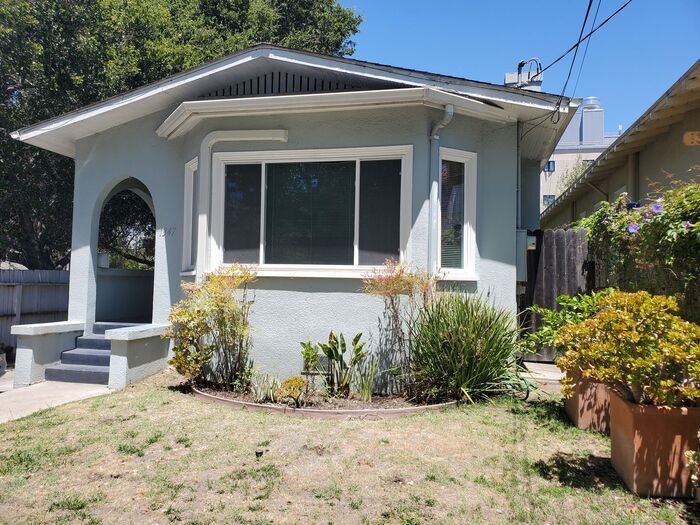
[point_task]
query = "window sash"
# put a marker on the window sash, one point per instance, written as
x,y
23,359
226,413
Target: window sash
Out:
x,y
467,269
265,158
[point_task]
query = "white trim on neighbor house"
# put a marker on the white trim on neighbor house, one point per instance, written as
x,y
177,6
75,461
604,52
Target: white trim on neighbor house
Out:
x,y
188,114
468,271
221,159
188,263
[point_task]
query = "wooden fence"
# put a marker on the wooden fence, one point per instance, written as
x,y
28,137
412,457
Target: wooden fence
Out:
x,y
31,296
558,265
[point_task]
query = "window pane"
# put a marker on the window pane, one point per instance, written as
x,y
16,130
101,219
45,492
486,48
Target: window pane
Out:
x,y
310,213
380,205
452,214
242,214
195,217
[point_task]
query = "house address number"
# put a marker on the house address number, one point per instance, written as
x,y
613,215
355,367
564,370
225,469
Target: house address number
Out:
x,y
691,138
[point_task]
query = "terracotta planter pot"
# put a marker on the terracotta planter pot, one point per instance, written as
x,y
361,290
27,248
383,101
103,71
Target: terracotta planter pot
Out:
x,y
648,445
589,407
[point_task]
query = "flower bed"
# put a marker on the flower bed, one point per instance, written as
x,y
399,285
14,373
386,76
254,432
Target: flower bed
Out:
x,y
382,408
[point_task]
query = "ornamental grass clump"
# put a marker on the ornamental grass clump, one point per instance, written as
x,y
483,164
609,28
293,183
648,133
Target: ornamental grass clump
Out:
x,y
210,328
637,345
464,347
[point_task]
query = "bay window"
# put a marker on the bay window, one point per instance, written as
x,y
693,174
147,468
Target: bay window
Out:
x,y
345,208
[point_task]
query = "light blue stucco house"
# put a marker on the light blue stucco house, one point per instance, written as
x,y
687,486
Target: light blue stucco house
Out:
x,y
313,168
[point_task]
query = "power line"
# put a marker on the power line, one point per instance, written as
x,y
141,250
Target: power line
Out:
x,y
573,61
585,51
588,35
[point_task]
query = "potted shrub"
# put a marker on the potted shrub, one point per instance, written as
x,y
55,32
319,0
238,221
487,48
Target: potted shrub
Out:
x,y
650,359
588,405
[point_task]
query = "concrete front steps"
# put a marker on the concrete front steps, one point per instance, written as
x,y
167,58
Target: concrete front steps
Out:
x,y
88,362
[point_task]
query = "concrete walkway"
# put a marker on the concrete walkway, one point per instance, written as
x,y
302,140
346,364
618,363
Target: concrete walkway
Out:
x,y
20,402
546,375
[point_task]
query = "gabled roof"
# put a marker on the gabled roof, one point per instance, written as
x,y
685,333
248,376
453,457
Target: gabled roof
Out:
x,y
682,97
60,134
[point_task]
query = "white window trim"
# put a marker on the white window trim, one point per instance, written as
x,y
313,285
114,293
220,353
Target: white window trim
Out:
x,y
468,271
188,264
221,159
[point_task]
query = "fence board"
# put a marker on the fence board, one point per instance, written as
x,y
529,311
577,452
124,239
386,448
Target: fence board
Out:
x,y
562,267
31,296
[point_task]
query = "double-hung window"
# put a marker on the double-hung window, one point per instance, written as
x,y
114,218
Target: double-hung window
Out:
x,y
457,246
300,211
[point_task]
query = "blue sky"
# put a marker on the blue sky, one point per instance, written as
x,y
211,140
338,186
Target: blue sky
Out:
x,y
630,62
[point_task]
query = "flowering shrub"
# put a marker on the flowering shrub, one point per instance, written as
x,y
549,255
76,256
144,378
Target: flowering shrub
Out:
x,y
652,246
211,330
637,345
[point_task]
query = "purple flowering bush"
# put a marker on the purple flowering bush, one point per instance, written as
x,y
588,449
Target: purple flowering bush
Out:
x,y
652,245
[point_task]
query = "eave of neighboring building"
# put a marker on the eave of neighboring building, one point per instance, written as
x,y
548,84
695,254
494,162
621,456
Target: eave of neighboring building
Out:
x,y
682,97
60,134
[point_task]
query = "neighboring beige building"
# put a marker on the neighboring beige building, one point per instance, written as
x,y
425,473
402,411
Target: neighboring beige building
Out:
x,y
663,145
583,141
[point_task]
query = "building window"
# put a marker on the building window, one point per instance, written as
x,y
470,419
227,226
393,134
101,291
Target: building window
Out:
x,y
288,211
457,212
548,200
189,227
550,166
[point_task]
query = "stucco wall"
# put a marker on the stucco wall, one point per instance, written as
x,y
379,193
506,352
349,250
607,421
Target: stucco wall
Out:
x,y
288,310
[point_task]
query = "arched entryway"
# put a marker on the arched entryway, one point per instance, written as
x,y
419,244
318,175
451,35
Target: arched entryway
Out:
x,y
126,255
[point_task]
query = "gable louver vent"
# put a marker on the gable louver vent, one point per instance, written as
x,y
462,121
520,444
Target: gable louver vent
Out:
x,y
278,84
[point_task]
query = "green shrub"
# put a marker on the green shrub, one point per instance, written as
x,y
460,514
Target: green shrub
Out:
x,y
464,347
211,329
638,346
572,310
293,389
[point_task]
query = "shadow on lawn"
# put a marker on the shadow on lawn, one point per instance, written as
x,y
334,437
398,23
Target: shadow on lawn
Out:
x,y
584,472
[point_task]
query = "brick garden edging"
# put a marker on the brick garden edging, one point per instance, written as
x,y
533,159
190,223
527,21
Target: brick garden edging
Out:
x,y
311,413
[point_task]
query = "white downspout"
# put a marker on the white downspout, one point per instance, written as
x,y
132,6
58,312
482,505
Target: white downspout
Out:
x,y
433,207
518,184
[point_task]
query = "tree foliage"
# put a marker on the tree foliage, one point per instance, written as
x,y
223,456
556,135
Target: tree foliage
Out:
x,y
58,55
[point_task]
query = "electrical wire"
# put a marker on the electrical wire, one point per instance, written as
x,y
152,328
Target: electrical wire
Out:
x,y
585,51
588,35
557,115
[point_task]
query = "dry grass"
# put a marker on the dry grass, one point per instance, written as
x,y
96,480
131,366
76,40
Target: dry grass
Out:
x,y
151,454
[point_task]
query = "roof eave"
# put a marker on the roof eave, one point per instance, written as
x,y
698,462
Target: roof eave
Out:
x,y
188,114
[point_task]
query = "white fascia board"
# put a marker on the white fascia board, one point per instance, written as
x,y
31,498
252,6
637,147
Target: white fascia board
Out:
x,y
189,114
389,74
163,87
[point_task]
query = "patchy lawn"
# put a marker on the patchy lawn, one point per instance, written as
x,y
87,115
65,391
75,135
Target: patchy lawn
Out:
x,y
151,454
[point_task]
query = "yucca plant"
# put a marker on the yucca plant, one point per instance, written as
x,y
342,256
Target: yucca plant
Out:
x,y
464,347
